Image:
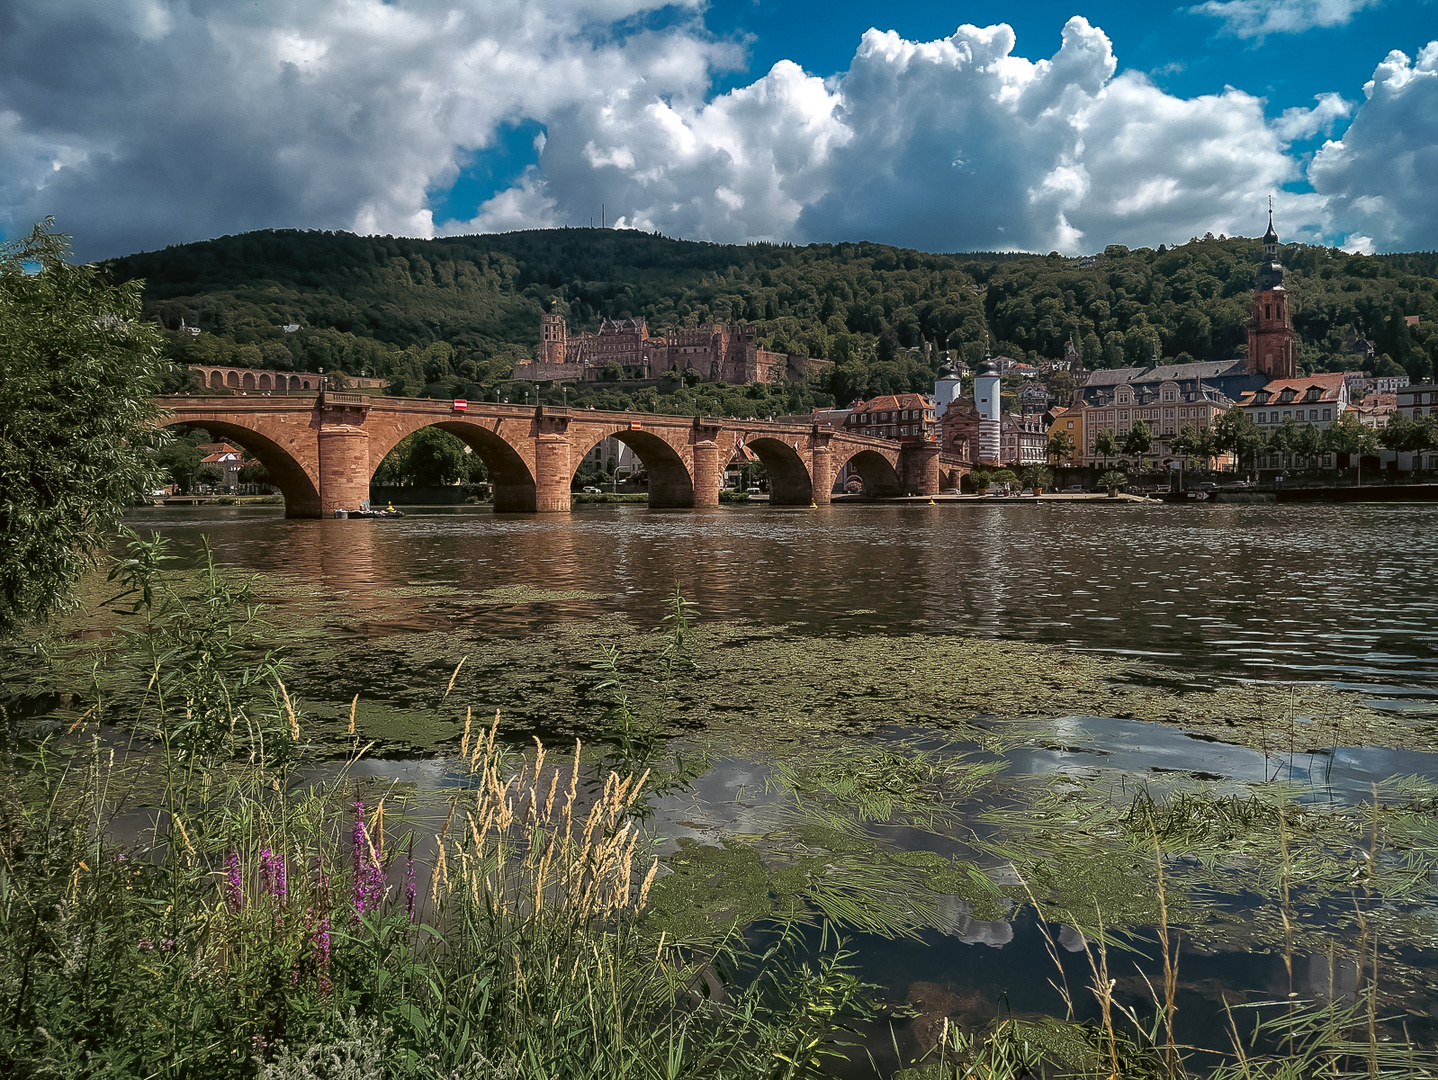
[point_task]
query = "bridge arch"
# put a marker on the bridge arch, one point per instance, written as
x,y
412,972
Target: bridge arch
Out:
x,y
217,379
881,479
671,485
302,497
789,480
509,473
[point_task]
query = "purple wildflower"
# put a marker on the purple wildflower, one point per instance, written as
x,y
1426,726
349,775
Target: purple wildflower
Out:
x,y
359,856
368,874
272,872
233,895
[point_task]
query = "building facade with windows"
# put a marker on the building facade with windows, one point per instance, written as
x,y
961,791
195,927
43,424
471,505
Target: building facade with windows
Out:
x,y
1312,399
1166,408
1023,440
1070,422
1417,402
901,417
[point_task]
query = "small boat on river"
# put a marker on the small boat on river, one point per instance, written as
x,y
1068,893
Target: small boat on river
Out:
x,y
366,512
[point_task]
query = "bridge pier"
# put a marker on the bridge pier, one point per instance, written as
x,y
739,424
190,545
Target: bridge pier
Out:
x,y
921,468
708,473
552,474
344,470
821,474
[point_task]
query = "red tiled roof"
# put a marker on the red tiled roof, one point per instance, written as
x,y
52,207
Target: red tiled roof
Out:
x,y
1331,387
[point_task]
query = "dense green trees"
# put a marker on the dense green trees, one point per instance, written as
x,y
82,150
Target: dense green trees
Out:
x,y
450,317
183,463
1106,444
77,369
1060,446
430,458
1139,439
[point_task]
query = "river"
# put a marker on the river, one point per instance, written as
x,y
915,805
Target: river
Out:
x,y
1021,654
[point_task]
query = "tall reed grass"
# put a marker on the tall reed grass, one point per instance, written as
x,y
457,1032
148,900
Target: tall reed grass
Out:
x,y
202,896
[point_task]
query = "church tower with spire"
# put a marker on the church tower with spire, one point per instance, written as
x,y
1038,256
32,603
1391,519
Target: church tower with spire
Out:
x,y
1272,341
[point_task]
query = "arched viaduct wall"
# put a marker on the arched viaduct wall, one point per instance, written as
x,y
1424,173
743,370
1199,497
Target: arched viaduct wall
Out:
x,y
322,452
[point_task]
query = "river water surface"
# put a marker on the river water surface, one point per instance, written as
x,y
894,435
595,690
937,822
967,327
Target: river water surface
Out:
x,y
1180,605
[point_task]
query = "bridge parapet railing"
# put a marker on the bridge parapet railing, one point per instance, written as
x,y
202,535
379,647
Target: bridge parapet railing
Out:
x,y
349,401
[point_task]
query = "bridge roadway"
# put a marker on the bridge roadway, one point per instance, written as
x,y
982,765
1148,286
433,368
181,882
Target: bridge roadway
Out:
x,y
321,451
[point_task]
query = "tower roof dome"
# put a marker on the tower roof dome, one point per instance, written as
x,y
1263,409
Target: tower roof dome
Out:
x,y
1271,236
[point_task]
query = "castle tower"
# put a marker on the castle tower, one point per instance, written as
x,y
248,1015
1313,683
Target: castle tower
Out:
x,y
553,337
947,386
988,390
1272,341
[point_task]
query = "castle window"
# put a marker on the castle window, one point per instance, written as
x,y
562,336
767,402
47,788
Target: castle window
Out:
x,y
1268,311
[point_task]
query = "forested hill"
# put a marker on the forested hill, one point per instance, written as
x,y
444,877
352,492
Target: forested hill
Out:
x,y
453,312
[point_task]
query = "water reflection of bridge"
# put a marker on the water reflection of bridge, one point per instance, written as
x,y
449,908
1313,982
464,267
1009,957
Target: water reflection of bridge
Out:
x,y
321,451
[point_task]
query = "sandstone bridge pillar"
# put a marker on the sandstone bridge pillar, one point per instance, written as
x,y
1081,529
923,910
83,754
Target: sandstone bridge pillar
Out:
x,y
344,468
552,473
708,473
920,463
821,474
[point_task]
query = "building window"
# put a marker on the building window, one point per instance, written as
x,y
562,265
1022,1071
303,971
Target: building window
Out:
x,y
1328,414
1313,414
1071,425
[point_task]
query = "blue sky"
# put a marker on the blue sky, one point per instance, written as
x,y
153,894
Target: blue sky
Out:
x,y
144,122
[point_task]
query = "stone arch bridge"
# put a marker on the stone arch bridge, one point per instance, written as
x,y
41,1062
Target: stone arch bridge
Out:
x,y
321,452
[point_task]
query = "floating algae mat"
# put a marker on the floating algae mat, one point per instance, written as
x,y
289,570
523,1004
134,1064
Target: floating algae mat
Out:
x,y
743,686
739,685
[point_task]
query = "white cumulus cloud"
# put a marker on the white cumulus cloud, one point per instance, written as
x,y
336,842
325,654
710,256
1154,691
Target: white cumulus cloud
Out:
x,y
1258,18
144,122
1378,180
173,120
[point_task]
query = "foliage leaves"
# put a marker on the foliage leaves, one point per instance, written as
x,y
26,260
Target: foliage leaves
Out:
x,y
77,369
